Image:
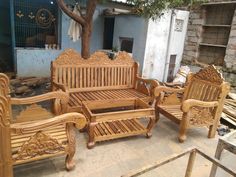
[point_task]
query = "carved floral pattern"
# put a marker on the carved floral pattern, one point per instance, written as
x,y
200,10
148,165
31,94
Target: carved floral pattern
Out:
x,y
201,116
210,74
38,145
71,57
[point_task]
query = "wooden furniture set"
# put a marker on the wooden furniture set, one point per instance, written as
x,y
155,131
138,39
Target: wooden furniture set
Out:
x,y
199,103
113,98
35,133
101,81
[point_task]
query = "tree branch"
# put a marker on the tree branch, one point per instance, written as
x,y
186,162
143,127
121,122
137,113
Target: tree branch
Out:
x,y
67,11
91,6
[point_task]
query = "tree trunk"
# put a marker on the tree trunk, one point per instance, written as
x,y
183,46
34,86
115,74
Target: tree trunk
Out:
x,y
85,39
85,21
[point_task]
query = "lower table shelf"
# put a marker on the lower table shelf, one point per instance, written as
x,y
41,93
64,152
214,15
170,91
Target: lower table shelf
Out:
x,y
111,119
119,128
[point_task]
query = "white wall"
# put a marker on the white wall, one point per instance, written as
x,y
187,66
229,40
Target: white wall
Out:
x,y
132,27
157,40
177,39
157,53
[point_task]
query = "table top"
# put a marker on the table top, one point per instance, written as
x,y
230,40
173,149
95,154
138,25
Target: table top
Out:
x,y
105,106
230,138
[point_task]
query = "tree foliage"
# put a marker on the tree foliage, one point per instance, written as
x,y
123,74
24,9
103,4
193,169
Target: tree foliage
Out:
x,y
154,8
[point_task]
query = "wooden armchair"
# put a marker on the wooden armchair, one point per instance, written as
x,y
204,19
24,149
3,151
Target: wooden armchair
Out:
x,y
36,133
200,103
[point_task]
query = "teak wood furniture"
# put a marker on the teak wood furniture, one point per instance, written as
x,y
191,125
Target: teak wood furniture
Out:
x,y
110,119
36,133
201,104
99,78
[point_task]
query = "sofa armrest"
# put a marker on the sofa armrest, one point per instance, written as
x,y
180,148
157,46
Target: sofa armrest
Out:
x,y
57,86
152,82
148,84
165,89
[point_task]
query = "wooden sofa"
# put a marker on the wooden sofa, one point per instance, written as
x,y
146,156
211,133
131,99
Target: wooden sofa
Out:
x,y
200,103
35,133
99,78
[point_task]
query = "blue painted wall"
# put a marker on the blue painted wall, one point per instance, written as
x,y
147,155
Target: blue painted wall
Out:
x,y
36,62
132,27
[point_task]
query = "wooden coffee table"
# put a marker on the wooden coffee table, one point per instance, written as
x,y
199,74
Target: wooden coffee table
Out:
x,y
111,119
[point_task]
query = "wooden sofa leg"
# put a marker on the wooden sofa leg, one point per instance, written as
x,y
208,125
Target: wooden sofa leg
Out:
x,y
70,164
212,131
150,126
91,142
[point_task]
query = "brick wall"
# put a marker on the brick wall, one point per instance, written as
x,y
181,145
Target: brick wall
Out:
x,y
193,35
193,38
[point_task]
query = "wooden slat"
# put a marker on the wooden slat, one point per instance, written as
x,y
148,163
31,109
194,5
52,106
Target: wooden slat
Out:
x,y
80,78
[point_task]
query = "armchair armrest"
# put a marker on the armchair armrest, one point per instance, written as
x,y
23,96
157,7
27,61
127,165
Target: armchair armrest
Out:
x,y
188,104
60,105
39,98
59,86
160,89
76,118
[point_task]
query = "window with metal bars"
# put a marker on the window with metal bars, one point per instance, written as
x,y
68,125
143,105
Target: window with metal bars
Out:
x,y
36,23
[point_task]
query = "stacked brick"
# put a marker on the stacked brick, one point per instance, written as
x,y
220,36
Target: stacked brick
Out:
x,y
193,37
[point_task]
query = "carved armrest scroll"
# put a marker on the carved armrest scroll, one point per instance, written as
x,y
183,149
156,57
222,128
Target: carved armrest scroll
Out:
x,y
147,86
76,118
56,86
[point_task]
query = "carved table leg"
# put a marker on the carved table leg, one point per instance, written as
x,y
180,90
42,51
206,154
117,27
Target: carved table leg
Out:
x,y
70,164
151,124
157,116
91,133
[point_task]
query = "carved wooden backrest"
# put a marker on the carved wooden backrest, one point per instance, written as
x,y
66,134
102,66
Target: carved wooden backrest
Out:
x,y
73,71
206,85
4,85
5,133
4,112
